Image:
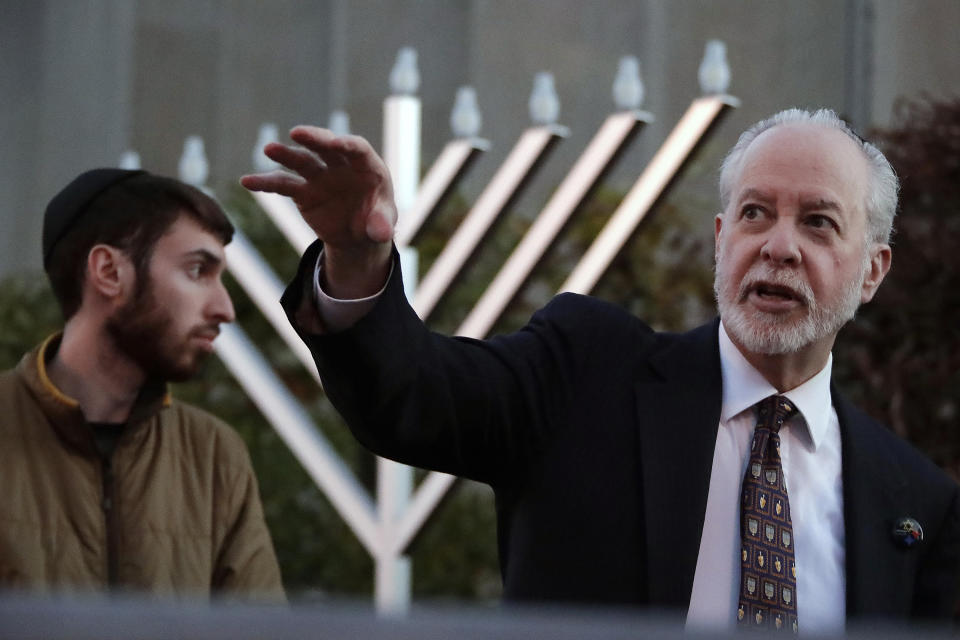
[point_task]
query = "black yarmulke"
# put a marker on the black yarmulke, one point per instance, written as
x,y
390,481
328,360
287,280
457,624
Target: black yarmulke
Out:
x,y
69,205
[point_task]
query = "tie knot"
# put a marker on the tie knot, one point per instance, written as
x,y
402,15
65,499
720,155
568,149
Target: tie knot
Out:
x,y
774,411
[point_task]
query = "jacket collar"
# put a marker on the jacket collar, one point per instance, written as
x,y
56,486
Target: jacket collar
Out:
x,y
680,400
876,492
64,412
679,403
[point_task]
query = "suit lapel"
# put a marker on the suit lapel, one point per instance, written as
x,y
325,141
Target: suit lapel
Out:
x,y
873,496
678,400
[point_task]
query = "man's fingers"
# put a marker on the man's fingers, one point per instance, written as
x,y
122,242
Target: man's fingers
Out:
x,y
286,184
320,141
348,150
340,185
304,162
359,154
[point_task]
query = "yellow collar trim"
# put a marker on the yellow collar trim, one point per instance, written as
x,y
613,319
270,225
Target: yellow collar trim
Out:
x,y
52,388
45,379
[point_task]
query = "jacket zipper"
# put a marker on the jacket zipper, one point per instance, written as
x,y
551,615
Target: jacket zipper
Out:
x,y
109,521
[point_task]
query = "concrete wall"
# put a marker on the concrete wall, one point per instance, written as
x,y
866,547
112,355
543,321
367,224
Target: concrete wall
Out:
x,y
916,50
66,97
82,80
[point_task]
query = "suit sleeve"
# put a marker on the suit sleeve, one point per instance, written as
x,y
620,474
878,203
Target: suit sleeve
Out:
x,y
478,409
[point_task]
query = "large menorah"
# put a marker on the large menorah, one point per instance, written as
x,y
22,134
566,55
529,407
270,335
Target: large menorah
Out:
x,y
387,525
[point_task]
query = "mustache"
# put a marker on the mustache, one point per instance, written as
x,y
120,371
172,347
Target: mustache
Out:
x,y
784,281
210,331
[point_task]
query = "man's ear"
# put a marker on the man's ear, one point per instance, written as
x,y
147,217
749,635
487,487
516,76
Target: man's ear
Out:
x,y
880,259
110,272
717,226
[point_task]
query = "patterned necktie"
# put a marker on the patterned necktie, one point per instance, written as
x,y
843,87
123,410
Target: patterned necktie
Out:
x,y
768,573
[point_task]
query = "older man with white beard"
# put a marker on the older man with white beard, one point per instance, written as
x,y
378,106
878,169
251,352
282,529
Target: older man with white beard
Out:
x,y
817,172
640,468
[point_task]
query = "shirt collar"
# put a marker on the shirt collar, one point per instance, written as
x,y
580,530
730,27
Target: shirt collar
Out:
x,y
744,386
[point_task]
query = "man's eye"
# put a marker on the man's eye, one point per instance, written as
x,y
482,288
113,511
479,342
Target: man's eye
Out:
x,y
819,222
195,271
751,212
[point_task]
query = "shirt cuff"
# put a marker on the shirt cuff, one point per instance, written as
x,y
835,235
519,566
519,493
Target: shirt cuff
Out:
x,y
337,314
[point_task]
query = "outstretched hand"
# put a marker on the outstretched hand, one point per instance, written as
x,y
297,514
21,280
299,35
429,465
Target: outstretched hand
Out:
x,y
343,191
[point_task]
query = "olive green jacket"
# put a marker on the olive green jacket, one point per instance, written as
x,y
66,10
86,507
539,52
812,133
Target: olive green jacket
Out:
x,y
174,511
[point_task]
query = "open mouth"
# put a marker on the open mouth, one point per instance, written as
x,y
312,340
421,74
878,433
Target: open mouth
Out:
x,y
775,292
774,298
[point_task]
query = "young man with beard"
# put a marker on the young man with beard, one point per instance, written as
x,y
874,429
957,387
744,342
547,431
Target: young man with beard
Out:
x,y
643,468
109,483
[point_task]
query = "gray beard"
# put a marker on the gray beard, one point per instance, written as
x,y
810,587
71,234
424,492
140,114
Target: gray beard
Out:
x,y
771,334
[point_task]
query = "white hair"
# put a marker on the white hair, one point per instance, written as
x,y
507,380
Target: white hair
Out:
x,y
882,188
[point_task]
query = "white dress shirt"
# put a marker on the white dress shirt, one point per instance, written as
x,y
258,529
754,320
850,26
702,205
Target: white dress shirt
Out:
x,y
810,452
335,313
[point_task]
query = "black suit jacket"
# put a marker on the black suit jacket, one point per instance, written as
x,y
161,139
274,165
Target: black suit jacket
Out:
x,y
597,436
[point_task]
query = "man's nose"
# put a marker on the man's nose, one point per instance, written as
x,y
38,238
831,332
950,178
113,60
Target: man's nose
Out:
x,y
221,307
781,244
